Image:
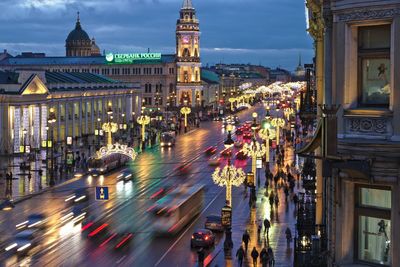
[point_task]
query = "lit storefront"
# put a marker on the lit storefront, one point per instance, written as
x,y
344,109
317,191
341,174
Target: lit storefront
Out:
x,y
78,101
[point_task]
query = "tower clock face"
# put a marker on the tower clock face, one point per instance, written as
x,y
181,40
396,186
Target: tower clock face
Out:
x,y
185,39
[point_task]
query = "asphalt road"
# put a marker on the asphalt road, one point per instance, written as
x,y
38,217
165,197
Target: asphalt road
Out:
x,y
126,211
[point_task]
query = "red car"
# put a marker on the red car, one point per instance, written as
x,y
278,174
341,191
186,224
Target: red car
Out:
x,y
226,153
247,135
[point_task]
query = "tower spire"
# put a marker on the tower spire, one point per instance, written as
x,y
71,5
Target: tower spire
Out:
x,y
299,59
77,18
187,4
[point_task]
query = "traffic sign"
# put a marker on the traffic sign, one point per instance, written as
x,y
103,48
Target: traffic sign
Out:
x,y
102,193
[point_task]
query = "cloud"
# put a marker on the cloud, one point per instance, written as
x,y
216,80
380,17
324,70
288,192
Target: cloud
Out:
x,y
234,30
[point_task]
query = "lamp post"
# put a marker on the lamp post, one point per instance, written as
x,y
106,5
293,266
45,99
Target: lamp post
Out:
x,y
254,150
229,176
143,120
288,112
278,123
232,100
266,134
185,111
97,131
110,127
51,120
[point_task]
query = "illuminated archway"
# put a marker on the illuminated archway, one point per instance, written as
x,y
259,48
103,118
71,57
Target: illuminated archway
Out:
x,y
116,149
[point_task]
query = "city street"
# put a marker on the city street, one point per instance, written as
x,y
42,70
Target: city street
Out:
x,y
126,209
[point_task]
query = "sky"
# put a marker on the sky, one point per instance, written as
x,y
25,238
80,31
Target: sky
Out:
x,y
267,32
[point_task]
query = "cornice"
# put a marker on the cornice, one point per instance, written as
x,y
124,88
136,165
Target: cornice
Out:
x,y
366,14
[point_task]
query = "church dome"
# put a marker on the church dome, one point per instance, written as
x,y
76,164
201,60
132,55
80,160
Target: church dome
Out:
x,y
78,34
95,51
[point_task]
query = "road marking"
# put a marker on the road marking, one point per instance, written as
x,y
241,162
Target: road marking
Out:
x,y
187,229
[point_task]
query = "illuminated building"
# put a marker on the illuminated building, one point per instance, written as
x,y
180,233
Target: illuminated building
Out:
x,y
357,62
189,88
78,100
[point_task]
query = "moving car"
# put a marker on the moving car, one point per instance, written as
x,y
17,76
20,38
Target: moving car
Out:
x,y
226,153
240,155
202,238
214,161
24,241
167,139
34,221
80,195
210,150
125,176
213,223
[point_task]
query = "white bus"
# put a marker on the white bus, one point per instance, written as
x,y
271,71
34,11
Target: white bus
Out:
x,y
103,165
175,210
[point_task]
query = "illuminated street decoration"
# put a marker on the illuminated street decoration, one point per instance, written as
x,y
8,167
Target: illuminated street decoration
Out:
x,y
229,176
143,120
232,100
254,150
185,111
110,128
288,112
131,58
278,123
266,134
116,149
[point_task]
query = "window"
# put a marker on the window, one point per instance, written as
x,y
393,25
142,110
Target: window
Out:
x,y
171,88
374,65
374,225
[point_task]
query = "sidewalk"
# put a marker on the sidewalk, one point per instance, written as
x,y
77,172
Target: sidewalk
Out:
x,y
243,218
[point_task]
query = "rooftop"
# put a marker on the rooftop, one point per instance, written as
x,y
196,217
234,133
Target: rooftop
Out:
x,y
97,60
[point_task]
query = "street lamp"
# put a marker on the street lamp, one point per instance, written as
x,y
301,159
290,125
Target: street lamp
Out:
x,y
185,111
109,127
51,120
266,134
143,120
232,100
278,123
229,176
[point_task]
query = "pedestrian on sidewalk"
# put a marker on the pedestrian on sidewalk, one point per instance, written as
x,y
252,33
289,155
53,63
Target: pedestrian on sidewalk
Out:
x,y
254,255
246,239
288,234
240,255
286,190
267,225
264,257
271,257
276,200
271,200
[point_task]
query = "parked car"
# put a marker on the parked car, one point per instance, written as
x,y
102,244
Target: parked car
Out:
x,y
213,223
202,238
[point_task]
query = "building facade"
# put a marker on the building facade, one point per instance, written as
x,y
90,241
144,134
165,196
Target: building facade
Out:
x,y
358,51
189,88
79,102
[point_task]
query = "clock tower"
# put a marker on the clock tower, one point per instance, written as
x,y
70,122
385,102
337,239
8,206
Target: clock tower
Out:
x,y
189,88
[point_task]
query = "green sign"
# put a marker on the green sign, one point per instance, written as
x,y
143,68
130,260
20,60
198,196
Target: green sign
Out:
x,y
131,58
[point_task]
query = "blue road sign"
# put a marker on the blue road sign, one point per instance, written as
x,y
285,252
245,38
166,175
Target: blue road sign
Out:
x,y
102,193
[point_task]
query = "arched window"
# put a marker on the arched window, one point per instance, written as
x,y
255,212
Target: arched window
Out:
x,y
186,52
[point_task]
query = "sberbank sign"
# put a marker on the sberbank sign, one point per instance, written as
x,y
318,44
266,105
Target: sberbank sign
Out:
x,y
131,58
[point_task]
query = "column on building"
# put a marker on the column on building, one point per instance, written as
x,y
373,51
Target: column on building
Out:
x,y
395,99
